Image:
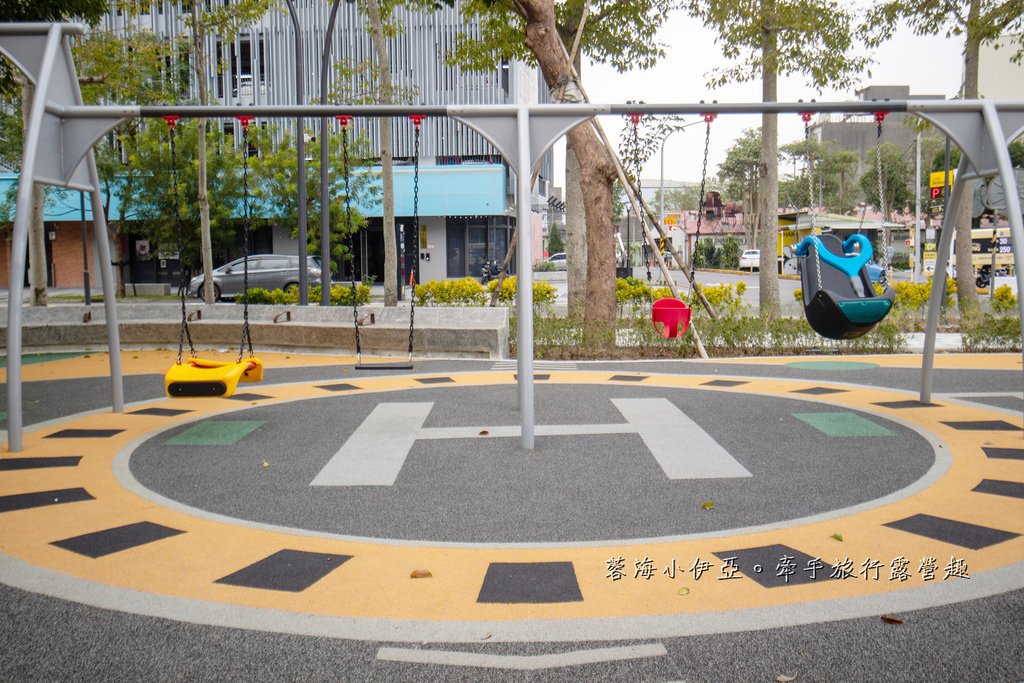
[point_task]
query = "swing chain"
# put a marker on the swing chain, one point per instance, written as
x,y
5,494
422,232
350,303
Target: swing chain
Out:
x,y
708,118
417,120
879,118
806,116
644,244
246,339
345,121
184,333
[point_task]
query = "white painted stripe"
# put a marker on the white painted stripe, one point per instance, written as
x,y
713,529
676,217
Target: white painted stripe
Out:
x,y
521,662
680,445
376,451
986,394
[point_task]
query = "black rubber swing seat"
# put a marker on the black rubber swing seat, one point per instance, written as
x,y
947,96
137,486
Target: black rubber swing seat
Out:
x,y
838,296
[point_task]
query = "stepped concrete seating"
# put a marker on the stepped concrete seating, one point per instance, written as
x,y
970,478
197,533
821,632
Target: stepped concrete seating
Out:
x,y
467,332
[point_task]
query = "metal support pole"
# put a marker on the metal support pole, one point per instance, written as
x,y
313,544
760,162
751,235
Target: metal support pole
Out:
x,y
300,151
85,253
1013,206
939,287
19,242
325,131
524,310
102,249
917,215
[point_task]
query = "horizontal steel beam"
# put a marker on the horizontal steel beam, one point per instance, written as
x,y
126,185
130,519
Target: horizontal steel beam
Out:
x,y
568,110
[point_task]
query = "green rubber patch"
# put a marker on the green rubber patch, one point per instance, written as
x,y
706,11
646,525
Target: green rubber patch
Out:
x,y
214,433
32,358
835,365
843,424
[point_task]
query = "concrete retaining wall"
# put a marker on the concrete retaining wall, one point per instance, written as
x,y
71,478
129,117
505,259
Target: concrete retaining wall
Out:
x,y
451,332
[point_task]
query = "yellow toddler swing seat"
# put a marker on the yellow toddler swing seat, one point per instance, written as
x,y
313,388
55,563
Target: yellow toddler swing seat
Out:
x,y
198,377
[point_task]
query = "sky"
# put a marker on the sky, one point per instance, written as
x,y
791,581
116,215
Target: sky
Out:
x,y
929,65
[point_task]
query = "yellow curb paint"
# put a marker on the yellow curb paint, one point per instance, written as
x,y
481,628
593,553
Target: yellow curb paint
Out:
x,y
376,583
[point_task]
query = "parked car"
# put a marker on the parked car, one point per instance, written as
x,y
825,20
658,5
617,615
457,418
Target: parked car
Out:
x,y
750,259
877,272
268,271
559,260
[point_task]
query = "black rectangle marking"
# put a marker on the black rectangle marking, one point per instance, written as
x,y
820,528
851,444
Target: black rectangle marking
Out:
x,y
771,566
911,403
983,425
1004,453
435,380
723,383
8,464
536,377
84,434
338,387
110,541
248,397
37,499
818,391
628,378
530,582
160,412
286,570
998,487
951,531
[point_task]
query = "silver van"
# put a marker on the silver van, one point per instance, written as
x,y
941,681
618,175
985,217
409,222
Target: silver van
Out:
x,y
267,271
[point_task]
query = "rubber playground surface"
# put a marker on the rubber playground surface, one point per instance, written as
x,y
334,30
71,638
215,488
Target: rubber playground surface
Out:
x,y
741,519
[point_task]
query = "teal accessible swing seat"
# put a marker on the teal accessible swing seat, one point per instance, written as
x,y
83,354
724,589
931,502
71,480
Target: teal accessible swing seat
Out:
x,y
839,299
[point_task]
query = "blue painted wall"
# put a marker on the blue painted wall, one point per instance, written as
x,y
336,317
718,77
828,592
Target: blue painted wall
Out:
x,y
466,190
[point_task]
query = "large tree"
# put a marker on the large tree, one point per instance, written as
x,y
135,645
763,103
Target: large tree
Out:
x,y
225,20
766,39
738,177
975,22
555,37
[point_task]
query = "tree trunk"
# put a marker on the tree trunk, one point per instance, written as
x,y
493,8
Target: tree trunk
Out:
x,y
966,294
36,228
206,243
597,173
575,236
386,152
768,201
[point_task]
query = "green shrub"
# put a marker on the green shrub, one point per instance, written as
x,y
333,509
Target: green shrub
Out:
x,y
1004,300
633,292
543,266
725,299
991,333
543,292
464,292
341,295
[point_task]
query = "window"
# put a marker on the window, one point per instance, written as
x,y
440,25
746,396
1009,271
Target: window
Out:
x,y
268,263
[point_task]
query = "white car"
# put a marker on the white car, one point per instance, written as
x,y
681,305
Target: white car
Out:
x,y
559,260
750,259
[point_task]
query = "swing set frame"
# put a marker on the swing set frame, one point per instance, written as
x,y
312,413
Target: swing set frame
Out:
x,y
982,129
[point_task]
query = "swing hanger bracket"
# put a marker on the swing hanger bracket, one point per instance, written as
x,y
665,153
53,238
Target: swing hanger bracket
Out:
x,y
880,117
171,120
635,119
709,117
806,116
344,120
245,120
417,119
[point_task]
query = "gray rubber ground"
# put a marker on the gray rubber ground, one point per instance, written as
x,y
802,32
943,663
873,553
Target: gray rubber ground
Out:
x,y
46,639
51,640
578,488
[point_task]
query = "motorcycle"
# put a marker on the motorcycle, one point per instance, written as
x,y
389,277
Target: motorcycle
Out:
x,y
489,271
984,276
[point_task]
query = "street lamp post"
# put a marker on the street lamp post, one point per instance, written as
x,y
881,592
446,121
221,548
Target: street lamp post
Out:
x,y
300,151
661,183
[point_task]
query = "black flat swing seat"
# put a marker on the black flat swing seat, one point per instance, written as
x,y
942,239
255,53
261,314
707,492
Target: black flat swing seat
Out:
x,y
838,296
197,377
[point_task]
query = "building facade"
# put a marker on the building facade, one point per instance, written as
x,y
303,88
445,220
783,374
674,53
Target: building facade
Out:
x,y
466,202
